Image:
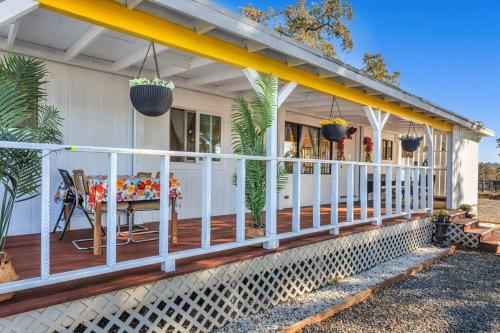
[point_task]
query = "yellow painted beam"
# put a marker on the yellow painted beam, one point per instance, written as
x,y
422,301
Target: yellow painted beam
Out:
x,y
114,16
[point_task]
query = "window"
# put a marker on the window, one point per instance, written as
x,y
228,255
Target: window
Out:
x,y
387,146
183,133
305,142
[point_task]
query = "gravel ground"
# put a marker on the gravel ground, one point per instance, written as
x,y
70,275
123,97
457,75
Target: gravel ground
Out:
x,y
286,314
488,210
459,294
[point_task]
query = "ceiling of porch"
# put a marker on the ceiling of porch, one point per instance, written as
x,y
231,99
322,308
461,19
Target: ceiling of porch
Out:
x,y
56,37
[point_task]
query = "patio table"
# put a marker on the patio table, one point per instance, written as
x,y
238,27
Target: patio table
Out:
x,y
128,189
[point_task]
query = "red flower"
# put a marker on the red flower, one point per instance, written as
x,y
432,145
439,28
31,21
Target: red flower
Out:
x,y
141,186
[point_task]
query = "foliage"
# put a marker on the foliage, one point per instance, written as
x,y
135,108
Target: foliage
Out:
x,y
411,137
154,82
341,143
465,207
375,66
489,171
250,122
441,213
318,25
368,148
23,118
333,121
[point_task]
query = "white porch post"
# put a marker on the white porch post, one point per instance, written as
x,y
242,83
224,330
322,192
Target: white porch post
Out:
x,y
429,136
377,122
271,152
449,171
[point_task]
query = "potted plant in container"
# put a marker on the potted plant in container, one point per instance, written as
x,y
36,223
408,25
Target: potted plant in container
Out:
x,y
441,219
467,209
153,97
368,148
23,118
333,129
410,143
250,122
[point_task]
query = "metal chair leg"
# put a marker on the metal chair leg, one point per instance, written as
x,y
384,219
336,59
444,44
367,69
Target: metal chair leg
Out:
x,y
58,219
66,223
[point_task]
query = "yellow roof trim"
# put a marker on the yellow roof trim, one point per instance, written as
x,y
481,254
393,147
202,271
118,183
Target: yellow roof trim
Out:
x,y
115,16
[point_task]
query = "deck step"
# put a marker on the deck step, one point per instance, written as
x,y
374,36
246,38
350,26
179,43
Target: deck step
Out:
x,y
457,215
467,223
483,232
491,244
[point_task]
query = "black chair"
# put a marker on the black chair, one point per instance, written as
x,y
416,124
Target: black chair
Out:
x,y
74,199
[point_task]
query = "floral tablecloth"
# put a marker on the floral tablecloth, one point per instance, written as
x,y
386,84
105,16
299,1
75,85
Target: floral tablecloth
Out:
x,y
129,188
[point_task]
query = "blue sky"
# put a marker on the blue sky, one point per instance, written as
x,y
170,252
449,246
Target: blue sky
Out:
x,y
448,51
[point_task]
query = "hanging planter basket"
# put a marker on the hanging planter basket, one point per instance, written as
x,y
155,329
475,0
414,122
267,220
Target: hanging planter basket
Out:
x,y
333,132
152,98
411,143
334,129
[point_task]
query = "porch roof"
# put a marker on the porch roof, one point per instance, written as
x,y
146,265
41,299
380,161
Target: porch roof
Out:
x,y
213,33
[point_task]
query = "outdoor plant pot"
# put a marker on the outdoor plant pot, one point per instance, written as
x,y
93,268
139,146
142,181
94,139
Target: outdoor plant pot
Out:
x,y
151,100
251,232
7,274
333,132
440,234
410,144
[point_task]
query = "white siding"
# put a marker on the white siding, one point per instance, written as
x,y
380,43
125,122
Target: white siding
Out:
x,y
463,179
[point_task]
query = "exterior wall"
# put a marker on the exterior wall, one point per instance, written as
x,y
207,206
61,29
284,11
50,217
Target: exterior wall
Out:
x,y
463,168
208,299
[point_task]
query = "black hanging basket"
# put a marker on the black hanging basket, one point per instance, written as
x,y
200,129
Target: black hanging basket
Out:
x,y
333,132
151,100
410,143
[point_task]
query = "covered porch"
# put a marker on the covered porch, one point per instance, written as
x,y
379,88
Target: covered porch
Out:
x,y
93,48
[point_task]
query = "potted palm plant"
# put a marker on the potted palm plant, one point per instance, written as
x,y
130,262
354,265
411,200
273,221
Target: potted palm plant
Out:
x,y
153,97
23,118
250,122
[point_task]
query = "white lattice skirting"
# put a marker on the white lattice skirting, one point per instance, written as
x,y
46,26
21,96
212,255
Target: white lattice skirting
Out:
x,y
201,301
456,235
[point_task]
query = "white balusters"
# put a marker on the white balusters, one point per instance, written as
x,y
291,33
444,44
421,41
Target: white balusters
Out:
x,y
423,188
45,216
316,195
415,189
334,198
206,202
388,191
111,211
363,191
350,192
296,197
408,191
398,190
240,200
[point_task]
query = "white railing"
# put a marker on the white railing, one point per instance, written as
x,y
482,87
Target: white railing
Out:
x,y
408,187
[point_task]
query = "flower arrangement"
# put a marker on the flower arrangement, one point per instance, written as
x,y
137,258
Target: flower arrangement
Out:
x,y
368,148
467,209
175,189
441,215
341,149
333,121
155,82
350,132
411,137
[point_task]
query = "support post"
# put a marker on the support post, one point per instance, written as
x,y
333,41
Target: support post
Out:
x,y
334,198
296,197
111,211
377,122
45,217
429,134
206,202
272,154
167,265
240,200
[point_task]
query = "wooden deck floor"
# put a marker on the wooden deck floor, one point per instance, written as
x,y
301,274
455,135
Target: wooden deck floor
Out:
x,y
24,252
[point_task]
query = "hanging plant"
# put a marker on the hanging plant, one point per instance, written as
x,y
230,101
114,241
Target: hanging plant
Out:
x,y
368,148
153,97
341,149
333,129
410,143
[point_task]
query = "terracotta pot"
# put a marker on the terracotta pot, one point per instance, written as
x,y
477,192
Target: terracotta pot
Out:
x,y
7,274
251,232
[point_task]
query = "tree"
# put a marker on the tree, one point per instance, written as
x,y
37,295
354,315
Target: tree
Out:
x,y
318,25
323,26
375,66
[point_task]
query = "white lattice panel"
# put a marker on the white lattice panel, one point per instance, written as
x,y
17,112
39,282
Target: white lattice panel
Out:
x,y
201,301
456,235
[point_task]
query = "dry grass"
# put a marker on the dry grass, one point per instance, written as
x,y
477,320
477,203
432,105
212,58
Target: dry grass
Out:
x,y
488,210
